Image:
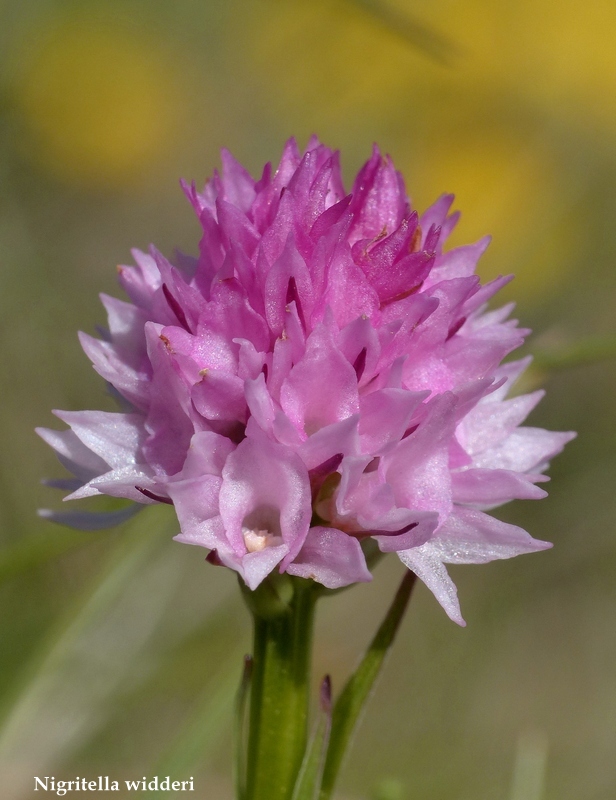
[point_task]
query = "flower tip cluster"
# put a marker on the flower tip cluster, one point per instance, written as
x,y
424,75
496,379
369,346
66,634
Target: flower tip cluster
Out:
x,y
322,374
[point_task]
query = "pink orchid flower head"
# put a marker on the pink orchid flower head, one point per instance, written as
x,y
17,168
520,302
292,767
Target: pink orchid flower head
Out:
x,y
324,373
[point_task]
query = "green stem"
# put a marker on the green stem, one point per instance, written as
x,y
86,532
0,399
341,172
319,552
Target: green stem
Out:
x,y
353,698
283,611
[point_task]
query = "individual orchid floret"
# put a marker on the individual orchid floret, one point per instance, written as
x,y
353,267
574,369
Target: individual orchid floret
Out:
x,y
322,374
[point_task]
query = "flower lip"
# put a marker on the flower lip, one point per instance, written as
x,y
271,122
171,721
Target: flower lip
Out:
x,y
257,540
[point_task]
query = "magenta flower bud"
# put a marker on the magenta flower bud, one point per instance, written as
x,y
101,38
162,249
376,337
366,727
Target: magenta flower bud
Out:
x,y
323,372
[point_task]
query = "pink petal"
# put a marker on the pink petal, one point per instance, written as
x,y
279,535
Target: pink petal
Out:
x,y
487,488
302,397
255,567
418,528
115,438
461,262
330,557
418,468
237,184
524,450
385,416
77,457
133,385
472,537
492,421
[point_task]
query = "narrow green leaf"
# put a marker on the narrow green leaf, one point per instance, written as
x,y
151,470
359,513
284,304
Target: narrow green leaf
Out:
x,y
309,778
349,705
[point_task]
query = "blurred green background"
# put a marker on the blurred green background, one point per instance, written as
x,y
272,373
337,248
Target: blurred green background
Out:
x,y
120,651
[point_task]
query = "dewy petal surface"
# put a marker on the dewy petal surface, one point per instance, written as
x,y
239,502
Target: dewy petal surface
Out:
x,y
323,371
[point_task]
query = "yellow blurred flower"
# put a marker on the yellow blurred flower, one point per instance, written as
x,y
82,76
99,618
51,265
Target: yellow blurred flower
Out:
x,y
98,103
571,61
559,55
505,187
332,66
327,61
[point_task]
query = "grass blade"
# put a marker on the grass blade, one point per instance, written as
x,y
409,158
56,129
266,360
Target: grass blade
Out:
x,y
349,705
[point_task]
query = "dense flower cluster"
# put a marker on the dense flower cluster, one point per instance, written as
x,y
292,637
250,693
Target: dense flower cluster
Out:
x,y
322,373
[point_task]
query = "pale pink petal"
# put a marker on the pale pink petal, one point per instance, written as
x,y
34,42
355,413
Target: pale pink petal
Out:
x,y
330,557
524,450
133,385
115,438
492,420
77,457
488,488
472,537
426,563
